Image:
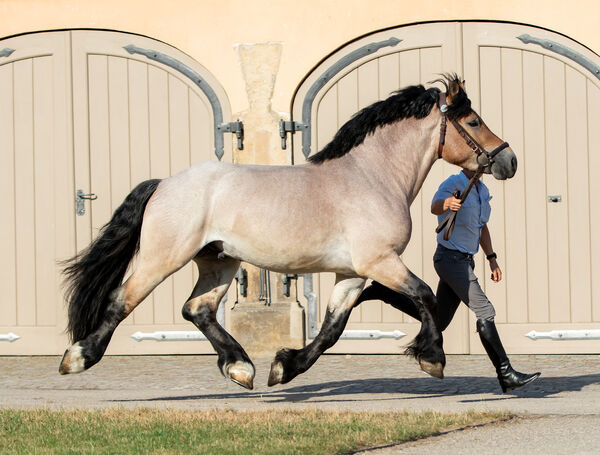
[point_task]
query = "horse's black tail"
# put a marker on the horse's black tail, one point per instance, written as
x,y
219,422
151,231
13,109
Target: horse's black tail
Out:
x,y
92,274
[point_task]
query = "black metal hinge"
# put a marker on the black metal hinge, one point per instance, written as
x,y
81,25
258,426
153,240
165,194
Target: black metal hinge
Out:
x,y
286,280
289,127
234,127
6,52
242,278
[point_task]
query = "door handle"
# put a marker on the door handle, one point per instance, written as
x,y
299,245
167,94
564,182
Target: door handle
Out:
x,y
80,201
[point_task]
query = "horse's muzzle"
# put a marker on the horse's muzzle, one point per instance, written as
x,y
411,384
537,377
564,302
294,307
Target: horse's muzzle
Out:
x,y
504,165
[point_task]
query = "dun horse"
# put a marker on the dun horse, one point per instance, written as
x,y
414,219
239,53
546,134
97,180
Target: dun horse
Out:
x,y
345,211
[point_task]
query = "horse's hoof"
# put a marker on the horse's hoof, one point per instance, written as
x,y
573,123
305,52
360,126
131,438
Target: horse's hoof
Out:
x,y
241,373
72,361
276,374
434,369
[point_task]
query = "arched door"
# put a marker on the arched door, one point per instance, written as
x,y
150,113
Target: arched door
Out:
x,y
82,112
545,104
541,91
137,118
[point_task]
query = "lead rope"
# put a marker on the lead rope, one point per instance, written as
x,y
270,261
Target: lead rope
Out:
x,y
450,219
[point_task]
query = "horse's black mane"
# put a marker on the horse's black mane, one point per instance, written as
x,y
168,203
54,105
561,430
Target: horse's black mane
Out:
x,y
414,101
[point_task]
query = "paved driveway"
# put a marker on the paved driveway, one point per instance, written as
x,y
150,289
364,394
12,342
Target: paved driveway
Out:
x,y
569,385
539,435
562,407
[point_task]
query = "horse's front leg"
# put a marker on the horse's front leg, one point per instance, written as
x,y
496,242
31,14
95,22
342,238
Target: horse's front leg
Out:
x,y
427,345
289,363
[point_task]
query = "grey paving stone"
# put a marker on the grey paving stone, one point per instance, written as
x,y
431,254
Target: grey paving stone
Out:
x,y
570,385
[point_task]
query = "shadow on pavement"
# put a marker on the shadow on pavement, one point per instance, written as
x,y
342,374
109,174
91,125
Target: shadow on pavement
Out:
x,y
390,388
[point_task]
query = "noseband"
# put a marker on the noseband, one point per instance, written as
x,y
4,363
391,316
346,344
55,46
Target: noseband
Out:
x,y
484,158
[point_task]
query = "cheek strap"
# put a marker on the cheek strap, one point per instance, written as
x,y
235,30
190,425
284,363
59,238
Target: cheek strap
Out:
x,y
443,109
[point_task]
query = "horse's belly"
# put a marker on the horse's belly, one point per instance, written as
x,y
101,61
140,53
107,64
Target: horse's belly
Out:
x,y
287,259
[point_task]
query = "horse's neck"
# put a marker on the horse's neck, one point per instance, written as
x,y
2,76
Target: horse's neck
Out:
x,y
402,154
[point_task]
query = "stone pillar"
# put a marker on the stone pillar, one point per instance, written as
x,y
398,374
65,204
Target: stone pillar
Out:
x,y
260,328
260,65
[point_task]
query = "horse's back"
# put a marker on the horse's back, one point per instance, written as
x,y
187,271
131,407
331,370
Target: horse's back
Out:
x,y
280,217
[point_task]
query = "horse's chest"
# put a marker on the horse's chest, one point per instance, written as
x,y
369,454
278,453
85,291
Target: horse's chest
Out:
x,y
394,228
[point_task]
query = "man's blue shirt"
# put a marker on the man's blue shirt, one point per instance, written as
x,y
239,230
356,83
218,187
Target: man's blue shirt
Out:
x,y
471,217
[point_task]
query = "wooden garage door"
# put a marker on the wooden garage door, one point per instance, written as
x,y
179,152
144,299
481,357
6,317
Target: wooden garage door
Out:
x,y
81,113
545,105
136,119
422,54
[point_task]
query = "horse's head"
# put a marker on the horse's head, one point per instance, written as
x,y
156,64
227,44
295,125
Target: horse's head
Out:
x,y
466,140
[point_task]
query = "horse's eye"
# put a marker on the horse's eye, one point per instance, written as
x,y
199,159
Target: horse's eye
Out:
x,y
474,123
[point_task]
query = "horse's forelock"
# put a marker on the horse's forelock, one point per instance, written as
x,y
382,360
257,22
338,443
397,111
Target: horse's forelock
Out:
x,y
461,104
460,107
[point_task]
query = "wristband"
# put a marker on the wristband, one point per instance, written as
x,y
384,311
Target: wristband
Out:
x,y
491,256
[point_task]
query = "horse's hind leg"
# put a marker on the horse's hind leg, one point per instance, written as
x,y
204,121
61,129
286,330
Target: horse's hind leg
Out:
x,y
201,308
122,301
289,363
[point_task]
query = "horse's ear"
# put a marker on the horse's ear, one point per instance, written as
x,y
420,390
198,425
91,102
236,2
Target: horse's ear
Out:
x,y
454,88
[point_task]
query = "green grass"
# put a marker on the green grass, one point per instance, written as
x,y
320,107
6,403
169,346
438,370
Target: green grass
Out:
x,y
148,431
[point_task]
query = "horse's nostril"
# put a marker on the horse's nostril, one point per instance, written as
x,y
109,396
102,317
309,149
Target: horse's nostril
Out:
x,y
513,163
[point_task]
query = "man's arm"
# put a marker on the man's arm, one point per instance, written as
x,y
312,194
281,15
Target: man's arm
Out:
x,y
486,240
439,206
486,246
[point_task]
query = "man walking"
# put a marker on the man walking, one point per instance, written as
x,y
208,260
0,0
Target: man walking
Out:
x,y
454,264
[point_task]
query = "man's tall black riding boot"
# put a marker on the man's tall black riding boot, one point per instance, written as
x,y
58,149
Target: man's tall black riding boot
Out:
x,y
508,377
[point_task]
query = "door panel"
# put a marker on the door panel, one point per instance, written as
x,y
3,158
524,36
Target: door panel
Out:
x,y
80,112
37,191
537,100
532,160
133,121
593,110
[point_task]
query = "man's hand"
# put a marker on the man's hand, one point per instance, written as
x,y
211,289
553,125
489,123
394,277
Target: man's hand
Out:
x,y
496,272
452,203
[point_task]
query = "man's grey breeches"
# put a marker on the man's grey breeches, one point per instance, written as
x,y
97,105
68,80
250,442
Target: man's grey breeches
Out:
x,y
458,282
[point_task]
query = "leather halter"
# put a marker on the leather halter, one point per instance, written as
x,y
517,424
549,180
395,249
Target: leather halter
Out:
x,y
488,158
484,158
443,107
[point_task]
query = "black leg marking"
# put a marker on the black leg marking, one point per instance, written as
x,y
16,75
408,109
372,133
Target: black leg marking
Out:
x,y
377,291
427,347
233,361
87,352
289,363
